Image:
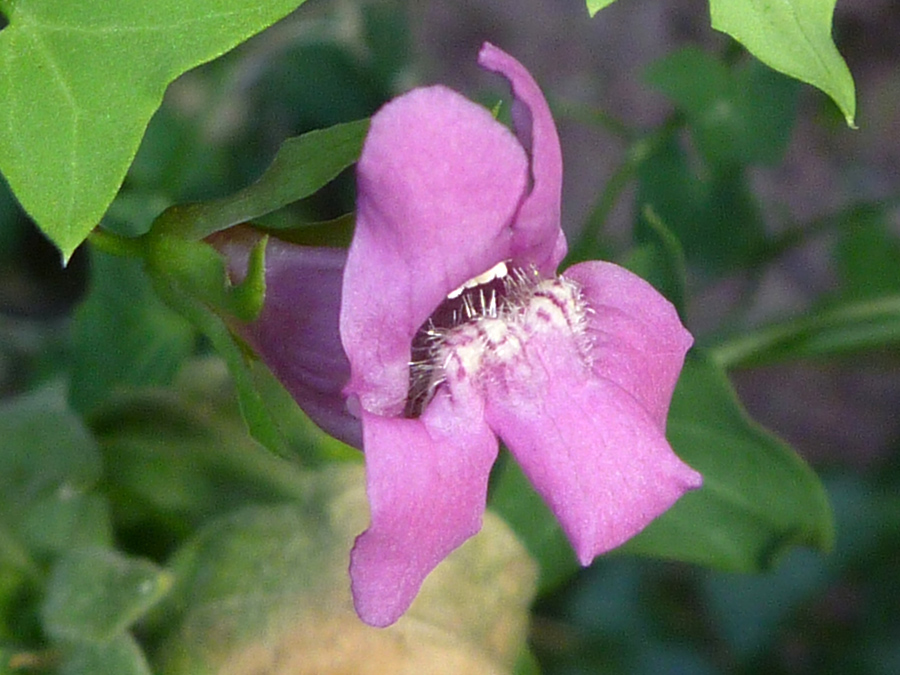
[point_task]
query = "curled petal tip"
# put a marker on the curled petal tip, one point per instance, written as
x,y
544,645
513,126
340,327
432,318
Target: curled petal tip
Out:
x,y
539,239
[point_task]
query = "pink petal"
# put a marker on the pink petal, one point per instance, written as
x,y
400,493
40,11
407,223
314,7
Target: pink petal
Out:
x,y
593,452
639,342
427,485
539,241
296,334
439,182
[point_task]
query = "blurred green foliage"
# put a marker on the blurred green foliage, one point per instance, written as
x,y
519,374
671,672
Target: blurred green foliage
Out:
x,y
128,481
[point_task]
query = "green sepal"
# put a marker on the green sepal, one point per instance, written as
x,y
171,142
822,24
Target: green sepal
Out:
x,y
199,270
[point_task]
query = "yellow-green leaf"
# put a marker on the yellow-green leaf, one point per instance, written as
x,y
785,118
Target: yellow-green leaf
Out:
x,y
793,37
595,6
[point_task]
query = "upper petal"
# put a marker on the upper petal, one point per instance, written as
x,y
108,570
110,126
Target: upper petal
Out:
x,y
538,239
427,485
438,185
592,451
296,333
638,341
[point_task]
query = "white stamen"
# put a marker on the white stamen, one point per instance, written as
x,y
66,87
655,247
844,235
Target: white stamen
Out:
x,y
498,271
491,328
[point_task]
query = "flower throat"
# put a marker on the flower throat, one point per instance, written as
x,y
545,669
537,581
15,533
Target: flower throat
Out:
x,y
487,322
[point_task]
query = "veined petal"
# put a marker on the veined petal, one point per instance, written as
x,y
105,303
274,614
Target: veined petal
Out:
x,y
439,182
538,239
593,452
427,485
638,341
296,333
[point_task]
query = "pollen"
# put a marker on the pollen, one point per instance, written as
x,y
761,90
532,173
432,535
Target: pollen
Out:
x,y
484,326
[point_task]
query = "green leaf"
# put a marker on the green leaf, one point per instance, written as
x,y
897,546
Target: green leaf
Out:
x,y
301,166
759,498
45,447
715,217
793,37
177,457
48,465
119,656
95,594
79,83
63,521
740,115
595,6
123,335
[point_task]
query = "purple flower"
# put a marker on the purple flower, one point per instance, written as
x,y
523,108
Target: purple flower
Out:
x,y
574,373
456,330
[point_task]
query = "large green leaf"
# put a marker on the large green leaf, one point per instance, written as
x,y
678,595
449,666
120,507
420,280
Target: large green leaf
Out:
x,y
79,82
758,499
793,37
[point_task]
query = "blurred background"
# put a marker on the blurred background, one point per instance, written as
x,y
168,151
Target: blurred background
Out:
x,y
825,206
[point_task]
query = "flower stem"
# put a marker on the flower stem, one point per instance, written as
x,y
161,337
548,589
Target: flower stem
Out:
x,y
841,329
591,116
797,234
636,154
